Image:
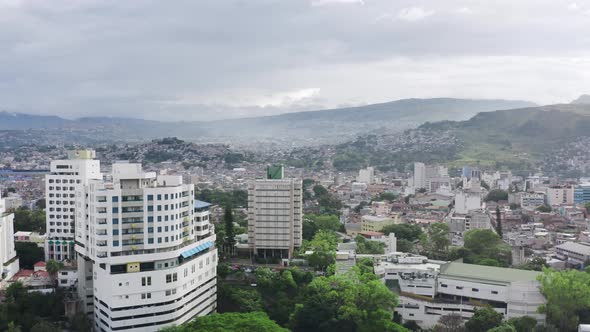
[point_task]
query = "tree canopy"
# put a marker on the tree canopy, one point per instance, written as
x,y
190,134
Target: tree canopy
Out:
x,y
484,319
496,195
409,232
568,297
485,247
230,322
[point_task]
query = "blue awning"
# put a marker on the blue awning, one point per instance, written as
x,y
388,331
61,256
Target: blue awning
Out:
x,y
197,249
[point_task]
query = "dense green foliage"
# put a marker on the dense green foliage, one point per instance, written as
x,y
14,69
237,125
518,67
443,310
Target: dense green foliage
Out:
x,y
313,223
230,322
349,161
535,264
568,298
31,311
364,246
544,208
436,241
235,198
386,196
496,195
356,301
483,247
328,203
408,232
28,253
27,220
483,320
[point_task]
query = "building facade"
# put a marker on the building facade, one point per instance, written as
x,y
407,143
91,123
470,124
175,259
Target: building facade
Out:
x,y
376,223
8,258
431,289
66,178
582,193
275,211
560,195
146,252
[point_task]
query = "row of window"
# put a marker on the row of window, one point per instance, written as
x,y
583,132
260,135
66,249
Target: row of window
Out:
x,y
58,216
461,287
62,202
60,195
61,188
64,181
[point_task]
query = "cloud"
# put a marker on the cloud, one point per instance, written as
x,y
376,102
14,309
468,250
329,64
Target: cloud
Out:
x,y
573,6
464,11
318,3
414,14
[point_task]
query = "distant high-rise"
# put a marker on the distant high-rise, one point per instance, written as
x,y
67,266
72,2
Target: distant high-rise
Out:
x,y
582,193
367,175
148,258
419,175
62,185
8,259
275,210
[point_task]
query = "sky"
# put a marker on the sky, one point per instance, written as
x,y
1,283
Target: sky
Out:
x,y
217,59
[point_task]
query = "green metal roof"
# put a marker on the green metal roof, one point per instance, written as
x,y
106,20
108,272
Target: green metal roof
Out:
x,y
486,273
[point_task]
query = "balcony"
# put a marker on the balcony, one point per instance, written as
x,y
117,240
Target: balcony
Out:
x,y
132,209
101,243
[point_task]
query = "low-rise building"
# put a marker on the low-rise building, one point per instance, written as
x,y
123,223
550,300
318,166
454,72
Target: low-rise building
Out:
x,y
376,223
575,254
532,200
430,289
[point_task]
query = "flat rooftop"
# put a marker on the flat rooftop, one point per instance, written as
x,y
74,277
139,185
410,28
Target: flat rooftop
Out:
x,y
486,273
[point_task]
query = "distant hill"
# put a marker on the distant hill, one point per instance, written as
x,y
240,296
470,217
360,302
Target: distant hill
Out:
x,y
306,127
583,99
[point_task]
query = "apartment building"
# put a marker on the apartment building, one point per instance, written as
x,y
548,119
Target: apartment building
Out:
x,y
376,223
532,200
146,252
65,180
8,258
560,195
573,253
582,193
275,216
431,289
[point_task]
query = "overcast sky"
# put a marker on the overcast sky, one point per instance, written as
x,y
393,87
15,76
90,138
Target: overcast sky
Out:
x,y
214,59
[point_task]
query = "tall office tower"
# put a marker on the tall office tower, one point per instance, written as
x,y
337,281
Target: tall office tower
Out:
x,y
419,175
275,216
8,258
147,259
62,184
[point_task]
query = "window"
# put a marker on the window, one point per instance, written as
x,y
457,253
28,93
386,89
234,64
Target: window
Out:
x,y
115,209
115,199
115,243
115,221
160,229
150,208
150,197
150,229
115,232
168,278
459,287
159,207
159,218
475,289
151,240
159,240
494,292
150,219
443,285
159,197
146,281
166,228
146,296
166,196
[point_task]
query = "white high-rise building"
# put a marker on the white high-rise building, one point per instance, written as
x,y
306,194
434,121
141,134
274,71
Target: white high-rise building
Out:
x,y
560,195
275,211
367,175
8,258
65,180
146,252
419,175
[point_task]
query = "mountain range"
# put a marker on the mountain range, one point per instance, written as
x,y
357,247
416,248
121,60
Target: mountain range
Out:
x,y
308,127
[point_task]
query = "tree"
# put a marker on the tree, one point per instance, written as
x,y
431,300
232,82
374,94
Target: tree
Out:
x,y
309,229
40,204
81,323
485,244
345,303
484,185
27,220
53,267
325,222
229,322
44,326
523,323
498,221
409,232
450,323
496,195
587,206
535,264
484,319
228,221
544,208
437,241
503,328
568,294
364,246
387,196
404,245
28,253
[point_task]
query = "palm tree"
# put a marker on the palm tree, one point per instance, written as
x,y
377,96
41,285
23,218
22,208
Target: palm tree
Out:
x,y
53,267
